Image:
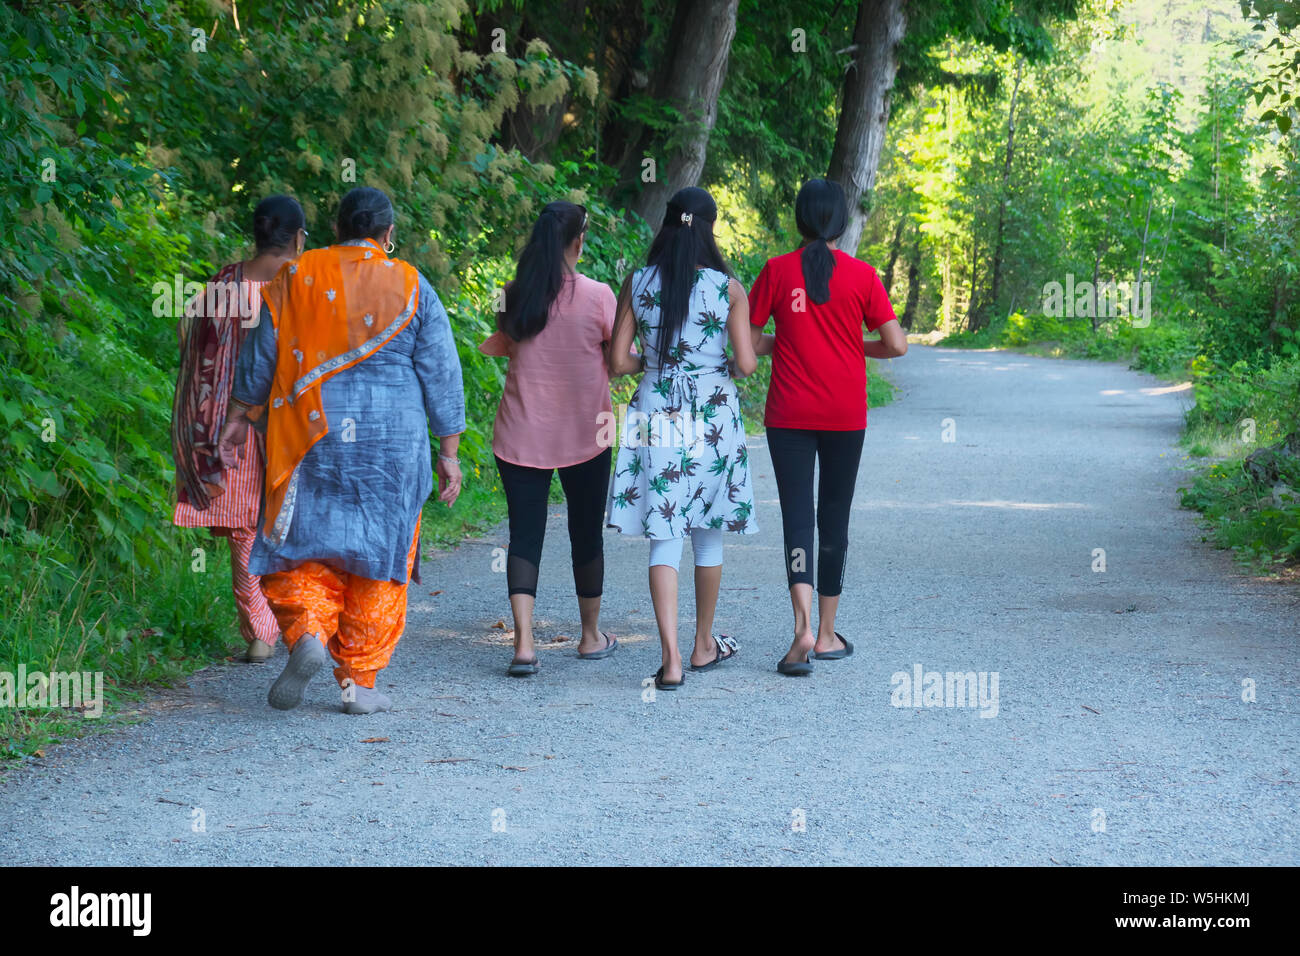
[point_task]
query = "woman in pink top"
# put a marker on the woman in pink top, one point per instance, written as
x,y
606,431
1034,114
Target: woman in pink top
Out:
x,y
555,326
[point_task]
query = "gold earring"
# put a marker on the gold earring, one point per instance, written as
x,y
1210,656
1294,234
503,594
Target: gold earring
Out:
x,y
389,246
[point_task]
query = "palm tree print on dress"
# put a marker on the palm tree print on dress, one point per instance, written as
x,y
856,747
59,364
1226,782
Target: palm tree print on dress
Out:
x,y
682,462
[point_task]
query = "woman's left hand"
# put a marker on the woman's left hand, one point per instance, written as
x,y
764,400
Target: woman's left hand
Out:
x,y
234,435
449,480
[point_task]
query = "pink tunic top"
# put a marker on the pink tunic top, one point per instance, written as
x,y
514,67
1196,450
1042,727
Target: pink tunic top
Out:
x,y
238,507
556,395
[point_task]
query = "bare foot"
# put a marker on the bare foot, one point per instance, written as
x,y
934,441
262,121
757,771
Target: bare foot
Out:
x,y
595,641
672,671
706,651
801,648
525,650
828,643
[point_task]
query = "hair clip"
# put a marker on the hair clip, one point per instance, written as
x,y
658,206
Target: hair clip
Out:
x,y
687,218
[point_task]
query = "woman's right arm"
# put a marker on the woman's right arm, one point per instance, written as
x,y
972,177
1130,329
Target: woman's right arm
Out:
x,y
255,367
891,344
621,359
880,317
744,362
498,343
760,308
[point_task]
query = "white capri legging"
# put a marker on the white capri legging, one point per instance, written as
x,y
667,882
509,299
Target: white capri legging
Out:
x,y
706,544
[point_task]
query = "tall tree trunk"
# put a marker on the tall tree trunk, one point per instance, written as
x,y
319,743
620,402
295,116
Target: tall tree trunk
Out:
x,y
1160,256
534,130
621,63
1096,274
998,247
974,312
691,77
895,246
913,285
864,110
1146,233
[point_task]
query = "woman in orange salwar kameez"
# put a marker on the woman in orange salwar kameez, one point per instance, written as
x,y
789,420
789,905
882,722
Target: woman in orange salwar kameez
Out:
x,y
351,366
215,325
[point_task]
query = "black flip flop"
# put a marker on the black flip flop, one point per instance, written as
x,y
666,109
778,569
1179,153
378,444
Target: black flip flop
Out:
x,y
836,655
794,668
667,685
724,643
520,668
611,645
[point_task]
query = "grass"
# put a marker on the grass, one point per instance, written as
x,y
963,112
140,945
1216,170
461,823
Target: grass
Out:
x,y
480,507
1260,525
139,630
1205,440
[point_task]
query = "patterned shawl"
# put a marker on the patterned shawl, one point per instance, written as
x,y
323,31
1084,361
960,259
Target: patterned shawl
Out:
x,y
210,334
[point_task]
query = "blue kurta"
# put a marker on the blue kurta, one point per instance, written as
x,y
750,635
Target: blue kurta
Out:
x,y
362,486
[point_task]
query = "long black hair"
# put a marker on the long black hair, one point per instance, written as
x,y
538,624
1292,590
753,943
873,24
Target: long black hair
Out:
x,y
822,214
276,222
539,275
364,213
685,242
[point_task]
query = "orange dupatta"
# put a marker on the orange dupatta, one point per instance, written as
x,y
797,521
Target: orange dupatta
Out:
x,y
332,308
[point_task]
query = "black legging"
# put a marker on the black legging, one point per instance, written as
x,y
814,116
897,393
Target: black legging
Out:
x,y
837,453
527,489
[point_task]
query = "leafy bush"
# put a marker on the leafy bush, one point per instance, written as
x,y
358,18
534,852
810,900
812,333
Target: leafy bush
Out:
x,y
1268,397
1262,525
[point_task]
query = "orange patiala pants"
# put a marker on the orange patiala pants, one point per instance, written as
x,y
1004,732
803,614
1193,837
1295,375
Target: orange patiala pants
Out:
x,y
359,620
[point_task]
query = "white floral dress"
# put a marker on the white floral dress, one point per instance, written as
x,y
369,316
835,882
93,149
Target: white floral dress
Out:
x,y
682,461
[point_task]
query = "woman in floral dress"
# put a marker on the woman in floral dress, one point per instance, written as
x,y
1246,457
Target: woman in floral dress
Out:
x,y
682,466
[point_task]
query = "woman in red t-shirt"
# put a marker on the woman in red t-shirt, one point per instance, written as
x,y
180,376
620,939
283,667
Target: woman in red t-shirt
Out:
x,y
822,298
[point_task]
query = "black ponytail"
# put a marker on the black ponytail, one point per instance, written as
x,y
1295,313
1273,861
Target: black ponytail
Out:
x,y
822,214
276,222
684,242
539,275
364,213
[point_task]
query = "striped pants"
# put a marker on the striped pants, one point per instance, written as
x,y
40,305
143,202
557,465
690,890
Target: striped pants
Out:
x,y
256,620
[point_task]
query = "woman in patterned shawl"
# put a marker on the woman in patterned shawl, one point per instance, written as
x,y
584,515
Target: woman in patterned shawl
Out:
x,y
213,329
683,467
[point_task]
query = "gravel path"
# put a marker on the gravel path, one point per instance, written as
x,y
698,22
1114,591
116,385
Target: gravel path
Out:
x,y
1119,733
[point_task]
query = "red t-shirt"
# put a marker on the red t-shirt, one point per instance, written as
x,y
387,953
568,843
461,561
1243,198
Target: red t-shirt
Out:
x,y
819,374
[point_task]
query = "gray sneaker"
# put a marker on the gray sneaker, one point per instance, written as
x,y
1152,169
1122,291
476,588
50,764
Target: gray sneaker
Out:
x,y
305,660
365,700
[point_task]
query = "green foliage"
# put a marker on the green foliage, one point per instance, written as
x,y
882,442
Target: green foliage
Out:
x,y
1128,169
1277,20
776,116
1269,397
1262,526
